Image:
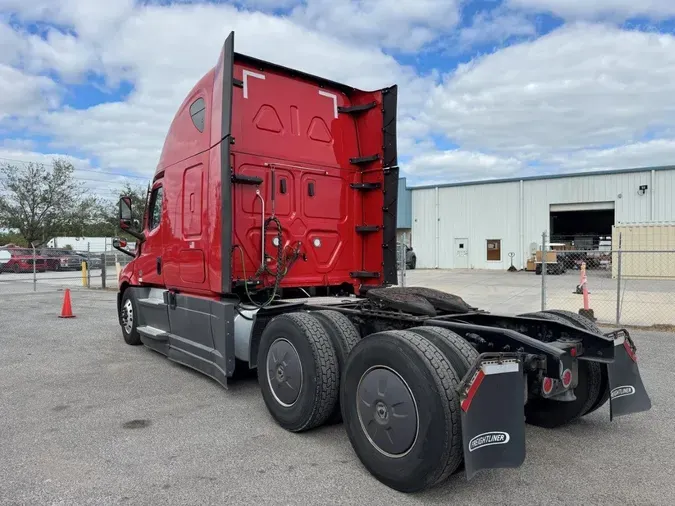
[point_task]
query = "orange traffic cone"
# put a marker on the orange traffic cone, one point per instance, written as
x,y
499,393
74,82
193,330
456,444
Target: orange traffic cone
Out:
x,y
66,309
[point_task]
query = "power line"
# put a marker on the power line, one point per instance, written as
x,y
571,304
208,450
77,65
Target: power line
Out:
x,y
98,171
103,181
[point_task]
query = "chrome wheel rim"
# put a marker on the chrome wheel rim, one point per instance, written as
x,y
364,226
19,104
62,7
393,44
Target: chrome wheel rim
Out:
x,y
128,316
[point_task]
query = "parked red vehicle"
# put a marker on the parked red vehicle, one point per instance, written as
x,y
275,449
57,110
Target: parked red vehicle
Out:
x,y
268,241
60,260
21,260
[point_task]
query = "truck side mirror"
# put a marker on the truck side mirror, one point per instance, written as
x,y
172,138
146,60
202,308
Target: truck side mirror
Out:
x,y
125,212
127,223
120,244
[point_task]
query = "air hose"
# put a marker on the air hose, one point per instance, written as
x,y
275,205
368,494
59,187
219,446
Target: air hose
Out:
x,y
283,264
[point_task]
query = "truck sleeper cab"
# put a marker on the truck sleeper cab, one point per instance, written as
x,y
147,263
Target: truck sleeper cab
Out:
x,y
268,241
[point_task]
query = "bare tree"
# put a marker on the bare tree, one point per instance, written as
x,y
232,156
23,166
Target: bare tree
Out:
x,y
42,202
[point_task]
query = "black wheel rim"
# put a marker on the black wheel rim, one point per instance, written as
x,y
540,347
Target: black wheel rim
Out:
x,y
387,411
284,372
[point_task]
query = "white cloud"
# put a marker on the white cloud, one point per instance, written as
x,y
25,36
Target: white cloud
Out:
x,y
267,4
21,145
578,87
640,154
598,9
558,100
11,44
23,94
460,165
163,67
401,24
495,26
88,24
98,182
58,52
90,19
61,52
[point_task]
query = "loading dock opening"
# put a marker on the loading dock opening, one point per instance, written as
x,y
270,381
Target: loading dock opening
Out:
x,y
581,223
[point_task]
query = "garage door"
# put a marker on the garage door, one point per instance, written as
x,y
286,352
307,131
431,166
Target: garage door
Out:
x,y
582,206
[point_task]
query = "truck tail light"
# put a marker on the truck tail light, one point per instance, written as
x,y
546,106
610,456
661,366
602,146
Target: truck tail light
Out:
x,y
547,385
630,351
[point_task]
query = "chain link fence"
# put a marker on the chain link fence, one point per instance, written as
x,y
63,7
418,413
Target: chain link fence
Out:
x,y
633,287
45,267
68,268
616,286
404,258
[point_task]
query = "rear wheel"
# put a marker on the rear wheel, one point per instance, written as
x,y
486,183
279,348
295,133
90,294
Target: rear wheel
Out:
x,y
550,413
401,410
298,371
456,349
344,336
587,324
128,319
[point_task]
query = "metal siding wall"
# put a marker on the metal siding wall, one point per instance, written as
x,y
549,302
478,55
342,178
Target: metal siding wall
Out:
x,y
424,227
404,205
663,195
492,211
479,213
539,194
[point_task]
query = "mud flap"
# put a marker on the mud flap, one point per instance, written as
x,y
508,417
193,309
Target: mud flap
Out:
x,y
492,397
627,392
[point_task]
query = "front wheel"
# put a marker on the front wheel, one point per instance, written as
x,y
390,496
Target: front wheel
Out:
x,y
129,318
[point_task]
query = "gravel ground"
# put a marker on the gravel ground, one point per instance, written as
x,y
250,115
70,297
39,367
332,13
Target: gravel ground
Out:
x,y
86,419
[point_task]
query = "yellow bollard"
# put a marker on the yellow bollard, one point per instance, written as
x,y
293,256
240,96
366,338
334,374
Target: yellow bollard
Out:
x,y
84,274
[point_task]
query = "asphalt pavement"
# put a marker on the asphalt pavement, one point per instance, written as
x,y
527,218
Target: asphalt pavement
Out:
x,y
86,419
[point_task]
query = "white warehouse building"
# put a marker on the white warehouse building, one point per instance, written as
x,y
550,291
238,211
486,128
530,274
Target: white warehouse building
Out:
x,y
476,225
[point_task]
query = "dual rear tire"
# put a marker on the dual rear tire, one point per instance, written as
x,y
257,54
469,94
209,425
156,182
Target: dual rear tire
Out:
x,y
298,371
395,391
300,358
401,409
591,392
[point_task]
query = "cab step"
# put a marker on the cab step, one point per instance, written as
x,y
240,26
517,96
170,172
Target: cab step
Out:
x,y
153,333
151,301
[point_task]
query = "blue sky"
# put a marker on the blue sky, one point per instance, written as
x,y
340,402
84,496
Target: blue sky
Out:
x,y
488,88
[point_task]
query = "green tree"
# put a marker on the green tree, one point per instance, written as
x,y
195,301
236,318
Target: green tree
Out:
x,y
110,210
43,202
12,238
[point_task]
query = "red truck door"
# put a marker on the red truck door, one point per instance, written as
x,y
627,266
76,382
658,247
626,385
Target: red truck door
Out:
x,y
149,263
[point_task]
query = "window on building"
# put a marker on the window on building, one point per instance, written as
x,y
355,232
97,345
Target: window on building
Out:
x,y
494,250
155,212
198,113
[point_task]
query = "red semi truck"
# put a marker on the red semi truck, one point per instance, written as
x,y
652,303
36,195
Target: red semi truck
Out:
x,y
268,241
